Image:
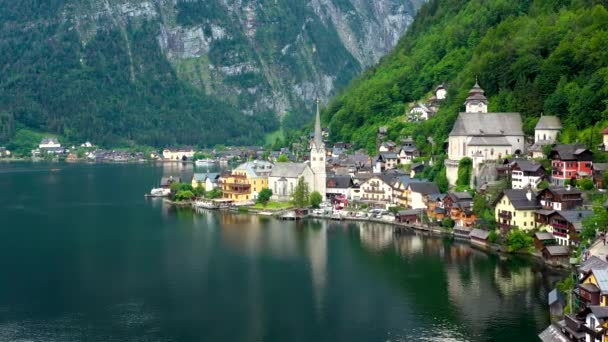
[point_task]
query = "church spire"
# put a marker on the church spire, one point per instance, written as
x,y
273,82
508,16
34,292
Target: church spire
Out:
x,y
318,136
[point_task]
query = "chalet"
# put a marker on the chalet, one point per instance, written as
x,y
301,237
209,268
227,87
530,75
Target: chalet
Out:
x,y
387,146
556,255
385,161
407,154
593,289
408,142
525,173
435,206
595,318
570,161
417,192
165,182
207,181
566,226
459,207
545,133
339,186
479,237
560,198
408,216
377,191
599,170
515,208
421,112
543,239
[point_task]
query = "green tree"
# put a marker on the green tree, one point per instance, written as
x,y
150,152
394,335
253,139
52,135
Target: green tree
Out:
x,y
264,196
315,199
585,183
448,223
282,158
465,168
215,193
199,191
543,185
301,194
184,195
518,240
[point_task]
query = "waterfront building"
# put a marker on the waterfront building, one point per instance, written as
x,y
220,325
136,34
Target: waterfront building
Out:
x,y
49,143
377,191
482,136
207,181
339,186
570,161
178,154
435,207
411,216
318,158
543,239
479,237
284,179
515,209
567,225
417,191
459,207
245,182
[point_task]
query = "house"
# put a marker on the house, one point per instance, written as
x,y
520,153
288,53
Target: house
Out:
x,y
604,145
178,154
245,182
567,225
417,191
411,216
526,173
207,181
407,154
595,318
339,186
599,170
557,302
387,146
560,198
421,112
556,255
543,239
591,263
479,237
593,289
400,188
165,182
4,152
284,178
545,133
459,207
416,169
570,161
440,92
435,207
515,209
377,191
49,144
385,161
482,136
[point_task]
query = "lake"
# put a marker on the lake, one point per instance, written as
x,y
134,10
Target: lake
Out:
x,y
85,257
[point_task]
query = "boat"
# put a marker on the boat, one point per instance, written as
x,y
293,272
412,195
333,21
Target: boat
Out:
x,y
206,205
204,162
159,192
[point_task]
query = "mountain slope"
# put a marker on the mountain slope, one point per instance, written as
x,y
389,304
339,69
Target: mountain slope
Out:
x,y
530,56
183,71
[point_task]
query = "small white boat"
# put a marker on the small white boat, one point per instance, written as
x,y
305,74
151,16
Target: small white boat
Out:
x,y
159,192
206,205
204,162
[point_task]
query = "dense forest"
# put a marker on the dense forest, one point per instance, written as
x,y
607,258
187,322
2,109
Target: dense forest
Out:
x,y
533,57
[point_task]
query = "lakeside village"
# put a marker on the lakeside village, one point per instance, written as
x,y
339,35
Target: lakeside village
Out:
x,y
503,191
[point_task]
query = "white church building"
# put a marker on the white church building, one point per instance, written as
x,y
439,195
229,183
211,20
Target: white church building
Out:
x,y
482,136
284,176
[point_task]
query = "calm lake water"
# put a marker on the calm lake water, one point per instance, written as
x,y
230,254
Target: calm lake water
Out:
x,y
85,257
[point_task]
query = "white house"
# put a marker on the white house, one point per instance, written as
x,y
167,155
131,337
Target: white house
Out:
x,y
482,136
596,316
440,92
421,112
377,191
49,143
545,133
417,192
179,154
526,173
208,181
407,154
284,178
339,186
386,161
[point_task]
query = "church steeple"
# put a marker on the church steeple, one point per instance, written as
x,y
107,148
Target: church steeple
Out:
x,y
476,102
318,139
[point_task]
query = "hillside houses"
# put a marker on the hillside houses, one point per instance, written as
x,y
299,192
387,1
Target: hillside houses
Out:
x,y
424,110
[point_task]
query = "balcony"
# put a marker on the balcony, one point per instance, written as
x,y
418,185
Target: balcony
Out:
x,y
560,234
559,225
505,215
375,191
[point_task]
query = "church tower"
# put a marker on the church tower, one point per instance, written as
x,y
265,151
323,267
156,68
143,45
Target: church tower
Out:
x,y
317,157
477,101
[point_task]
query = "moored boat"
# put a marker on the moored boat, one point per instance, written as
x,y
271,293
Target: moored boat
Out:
x,y
159,192
204,162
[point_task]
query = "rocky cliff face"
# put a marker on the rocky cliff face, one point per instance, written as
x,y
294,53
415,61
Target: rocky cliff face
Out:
x,y
126,59
258,54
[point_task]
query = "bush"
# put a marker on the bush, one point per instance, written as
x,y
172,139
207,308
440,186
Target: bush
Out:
x,y
264,196
518,240
448,223
493,237
585,184
184,195
315,199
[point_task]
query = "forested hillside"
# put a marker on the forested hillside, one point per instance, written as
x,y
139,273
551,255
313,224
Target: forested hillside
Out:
x,y
166,72
533,57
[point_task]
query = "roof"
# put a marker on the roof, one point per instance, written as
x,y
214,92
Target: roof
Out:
x,y
552,334
568,151
599,311
555,296
548,122
600,167
543,236
288,170
424,188
479,234
589,287
591,264
527,165
575,217
388,155
601,275
489,141
253,167
488,124
461,196
557,250
519,199
561,190
338,182
408,212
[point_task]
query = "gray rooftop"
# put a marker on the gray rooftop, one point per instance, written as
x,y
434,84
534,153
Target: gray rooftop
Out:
x,y
424,188
557,250
288,170
520,201
568,152
489,141
552,334
479,234
487,124
599,311
527,165
543,236
591,264
549,122
601,275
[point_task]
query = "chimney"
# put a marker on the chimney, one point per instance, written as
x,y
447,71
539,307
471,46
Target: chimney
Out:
x,y
529,195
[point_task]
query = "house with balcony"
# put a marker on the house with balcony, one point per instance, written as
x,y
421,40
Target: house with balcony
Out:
x,y
417,191
385,161
339,186
526,173
515,209
435,206
407,154
459,207
570,161
377,191
560,198
599,170
567,225
245,182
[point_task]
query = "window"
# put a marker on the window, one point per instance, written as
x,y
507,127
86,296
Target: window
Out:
x,y
491,151
525,224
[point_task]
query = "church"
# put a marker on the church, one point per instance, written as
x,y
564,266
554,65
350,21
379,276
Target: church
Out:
x,y
284,176
482,136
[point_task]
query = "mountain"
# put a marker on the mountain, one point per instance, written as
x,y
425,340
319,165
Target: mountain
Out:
x,y
164,72
531,56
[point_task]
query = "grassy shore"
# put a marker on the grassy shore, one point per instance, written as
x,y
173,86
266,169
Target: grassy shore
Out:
x,y
273,205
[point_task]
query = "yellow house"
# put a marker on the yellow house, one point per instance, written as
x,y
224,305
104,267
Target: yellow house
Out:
x,y
515,209
592,300
246,181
